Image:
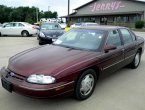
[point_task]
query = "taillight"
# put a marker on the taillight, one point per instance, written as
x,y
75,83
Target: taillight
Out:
x,y
34,27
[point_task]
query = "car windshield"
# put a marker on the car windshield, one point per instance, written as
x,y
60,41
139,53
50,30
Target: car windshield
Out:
x,y
81,39
50,26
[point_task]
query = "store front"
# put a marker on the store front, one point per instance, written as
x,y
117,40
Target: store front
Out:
x,y
110,12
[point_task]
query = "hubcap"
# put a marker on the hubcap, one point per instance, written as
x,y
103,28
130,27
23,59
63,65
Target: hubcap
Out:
x,y
87,84
137,59
25,34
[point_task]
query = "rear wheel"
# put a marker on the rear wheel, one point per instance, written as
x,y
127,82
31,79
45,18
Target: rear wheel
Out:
x,y
0,34
135,63
85,85
25,34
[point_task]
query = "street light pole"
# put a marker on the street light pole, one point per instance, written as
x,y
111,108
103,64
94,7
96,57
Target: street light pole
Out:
x,y
68,19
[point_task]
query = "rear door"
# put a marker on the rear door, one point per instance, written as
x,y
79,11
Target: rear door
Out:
x,y
129,42
18,28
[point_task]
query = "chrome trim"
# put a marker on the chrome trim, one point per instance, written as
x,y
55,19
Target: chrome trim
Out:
x,y
112,64
129,56
118,62
46,89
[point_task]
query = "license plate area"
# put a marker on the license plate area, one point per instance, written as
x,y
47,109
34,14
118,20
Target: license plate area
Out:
x,y
7,85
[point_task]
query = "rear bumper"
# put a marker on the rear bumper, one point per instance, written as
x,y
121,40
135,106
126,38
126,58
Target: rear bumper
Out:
x,y
38,91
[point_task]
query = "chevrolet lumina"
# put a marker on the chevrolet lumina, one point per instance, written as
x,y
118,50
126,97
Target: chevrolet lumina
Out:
x,y
73,63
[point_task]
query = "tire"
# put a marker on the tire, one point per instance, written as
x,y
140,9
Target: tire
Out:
x,y
0,34
40,43
85,85
136,61
25,34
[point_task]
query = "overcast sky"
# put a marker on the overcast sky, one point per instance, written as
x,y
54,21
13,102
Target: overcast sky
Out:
x,y
55,5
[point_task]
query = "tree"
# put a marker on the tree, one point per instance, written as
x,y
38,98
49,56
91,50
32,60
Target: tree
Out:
x,y
23,14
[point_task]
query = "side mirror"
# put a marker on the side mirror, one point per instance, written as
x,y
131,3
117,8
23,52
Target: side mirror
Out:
x,y
107,48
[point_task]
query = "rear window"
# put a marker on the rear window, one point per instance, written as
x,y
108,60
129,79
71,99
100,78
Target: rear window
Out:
x,y
50,26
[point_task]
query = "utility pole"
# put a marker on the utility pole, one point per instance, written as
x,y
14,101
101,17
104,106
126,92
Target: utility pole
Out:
x,y
48,8
37,14
68,19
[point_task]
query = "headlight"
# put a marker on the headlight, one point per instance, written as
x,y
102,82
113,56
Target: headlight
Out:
x,y
40,79
41,34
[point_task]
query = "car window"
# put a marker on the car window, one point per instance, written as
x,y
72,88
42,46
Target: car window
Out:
x,y
114,38
127,38
20,25
8,25
133,36
14,24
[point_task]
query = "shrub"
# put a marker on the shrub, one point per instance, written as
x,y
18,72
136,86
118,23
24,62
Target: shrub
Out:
x,y
139,24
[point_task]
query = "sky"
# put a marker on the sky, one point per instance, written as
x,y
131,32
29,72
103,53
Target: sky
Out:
x,y
54,5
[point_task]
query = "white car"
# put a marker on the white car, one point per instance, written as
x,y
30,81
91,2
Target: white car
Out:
x,y
76,25
63,25
85,24
1,25
18,28
89,24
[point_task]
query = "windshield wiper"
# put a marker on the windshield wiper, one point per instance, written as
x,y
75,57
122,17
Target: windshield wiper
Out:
x,y
69,47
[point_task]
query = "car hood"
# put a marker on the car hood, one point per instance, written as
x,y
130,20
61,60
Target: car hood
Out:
x,y
52,33
46,60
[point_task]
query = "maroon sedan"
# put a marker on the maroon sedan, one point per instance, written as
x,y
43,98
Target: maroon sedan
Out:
x,y
73,63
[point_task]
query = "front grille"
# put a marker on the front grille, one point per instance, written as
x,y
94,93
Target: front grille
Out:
x,y
15,75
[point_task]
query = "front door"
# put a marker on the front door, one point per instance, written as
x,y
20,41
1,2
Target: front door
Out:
x,y
113,59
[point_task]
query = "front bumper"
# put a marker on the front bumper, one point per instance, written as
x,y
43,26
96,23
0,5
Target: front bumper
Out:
x,y
46,40
19,85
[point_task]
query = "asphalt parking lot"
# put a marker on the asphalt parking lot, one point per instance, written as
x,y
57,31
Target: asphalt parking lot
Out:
x,y
124,90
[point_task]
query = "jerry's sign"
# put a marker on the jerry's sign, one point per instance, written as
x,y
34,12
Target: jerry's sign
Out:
x,y
115,5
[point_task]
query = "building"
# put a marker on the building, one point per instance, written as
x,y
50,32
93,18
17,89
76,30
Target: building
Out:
x,y
50,20
110,12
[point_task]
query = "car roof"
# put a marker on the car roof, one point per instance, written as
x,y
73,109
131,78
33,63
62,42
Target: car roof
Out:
x,y
101,27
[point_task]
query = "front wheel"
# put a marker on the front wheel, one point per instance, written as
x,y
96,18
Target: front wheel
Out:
x,y
85,85
135,63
